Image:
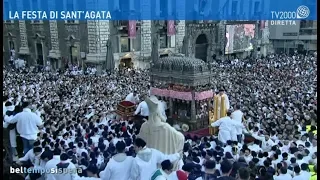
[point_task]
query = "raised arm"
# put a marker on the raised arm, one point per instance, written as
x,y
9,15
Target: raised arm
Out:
x,y
138,109
11,119
260,138
216,123
161,157
39,121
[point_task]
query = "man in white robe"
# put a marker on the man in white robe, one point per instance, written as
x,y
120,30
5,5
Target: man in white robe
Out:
x,y
132,97
158,134
9,114
52,164
225,127
119,166
147,159
237,116
142,110
66,170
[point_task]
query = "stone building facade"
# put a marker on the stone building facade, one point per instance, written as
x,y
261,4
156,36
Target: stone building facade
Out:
x,y
84,42
204,39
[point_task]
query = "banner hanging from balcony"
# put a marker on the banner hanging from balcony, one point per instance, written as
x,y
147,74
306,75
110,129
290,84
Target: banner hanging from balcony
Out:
x,y
132,29
171,29
262,24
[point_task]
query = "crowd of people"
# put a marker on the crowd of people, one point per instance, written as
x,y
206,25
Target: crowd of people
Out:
x,y
68,122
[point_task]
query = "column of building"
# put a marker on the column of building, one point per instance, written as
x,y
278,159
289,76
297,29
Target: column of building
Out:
x,y
98,34
146,31
221,36
54,52
24,49
146,39
180,34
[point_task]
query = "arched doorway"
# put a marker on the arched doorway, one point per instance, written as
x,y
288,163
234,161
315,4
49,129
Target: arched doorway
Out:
x,y
125,63
201,47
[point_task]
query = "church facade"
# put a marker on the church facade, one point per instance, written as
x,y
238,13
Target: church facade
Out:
x,y
204,39
84,42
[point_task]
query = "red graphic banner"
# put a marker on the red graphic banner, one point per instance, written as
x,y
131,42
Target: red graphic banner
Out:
x,y
171,28
132,31
262,24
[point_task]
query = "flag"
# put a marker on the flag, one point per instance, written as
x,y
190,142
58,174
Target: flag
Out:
x,y
262,24
171,28
132,31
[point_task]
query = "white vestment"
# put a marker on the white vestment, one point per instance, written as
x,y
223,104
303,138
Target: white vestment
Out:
x,y
12,133
142,109
160,135
71,172
146,163
118,168
237,116
52,164
234,128
131,98
225,126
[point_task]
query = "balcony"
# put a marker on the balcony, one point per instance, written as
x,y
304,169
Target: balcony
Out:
x,y
305,24
121,25
308,31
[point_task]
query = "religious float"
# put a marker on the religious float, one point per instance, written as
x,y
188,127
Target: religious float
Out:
x,y
126,109
184,83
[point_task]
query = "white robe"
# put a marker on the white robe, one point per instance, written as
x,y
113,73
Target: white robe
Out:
x,y
12,133
146,161
236,126
163,137
131,98
71,175
237,116
225,126
118,168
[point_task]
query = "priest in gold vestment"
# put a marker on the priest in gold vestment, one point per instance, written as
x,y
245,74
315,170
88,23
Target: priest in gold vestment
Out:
x,y
220,108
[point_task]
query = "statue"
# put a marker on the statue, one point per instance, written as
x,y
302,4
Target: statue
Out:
x,y
160,135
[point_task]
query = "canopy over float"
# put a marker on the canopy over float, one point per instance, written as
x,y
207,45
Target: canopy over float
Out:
x,y
185,83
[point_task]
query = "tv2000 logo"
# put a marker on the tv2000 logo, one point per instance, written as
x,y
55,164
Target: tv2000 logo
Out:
x,y
302,12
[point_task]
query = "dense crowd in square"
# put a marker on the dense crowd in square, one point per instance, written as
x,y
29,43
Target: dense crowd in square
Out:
x,y
68,120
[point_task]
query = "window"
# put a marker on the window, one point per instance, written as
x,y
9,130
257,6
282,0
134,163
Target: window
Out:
x,y
307,24
308,32
173,7
172,40
70,7
11,48
8,7
35,7
136,43
241,7
234,8
256,11
124,6
163,8
202,6
163,40
124,44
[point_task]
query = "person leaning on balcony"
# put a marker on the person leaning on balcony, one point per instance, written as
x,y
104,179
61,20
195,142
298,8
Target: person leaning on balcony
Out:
x,y
28,124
